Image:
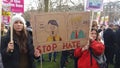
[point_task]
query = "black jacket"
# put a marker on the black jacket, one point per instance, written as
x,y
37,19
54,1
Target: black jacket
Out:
x,y
118,39
11,60
109,37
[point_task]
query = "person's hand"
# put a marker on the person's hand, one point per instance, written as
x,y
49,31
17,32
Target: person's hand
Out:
x,y
85,47
37,52
10,47
91,38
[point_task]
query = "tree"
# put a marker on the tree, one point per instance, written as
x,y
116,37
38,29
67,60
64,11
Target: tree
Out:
x,y
112,9
46,2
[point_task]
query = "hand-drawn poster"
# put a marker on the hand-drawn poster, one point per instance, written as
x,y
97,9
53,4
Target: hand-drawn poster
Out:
x,y
78,27
54,32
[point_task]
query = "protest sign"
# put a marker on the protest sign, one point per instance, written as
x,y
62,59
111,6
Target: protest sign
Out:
x,y
17,6
54,32
94,5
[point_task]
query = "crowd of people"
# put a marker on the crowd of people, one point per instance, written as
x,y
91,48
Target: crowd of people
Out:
x,y
109,36
20,52
107,42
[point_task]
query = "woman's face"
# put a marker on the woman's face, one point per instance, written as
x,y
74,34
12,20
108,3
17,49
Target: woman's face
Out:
x,y
18,26
93,34
2,27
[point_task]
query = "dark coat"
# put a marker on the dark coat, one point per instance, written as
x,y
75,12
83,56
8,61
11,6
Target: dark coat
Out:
x,y
11,59
109,37
118,43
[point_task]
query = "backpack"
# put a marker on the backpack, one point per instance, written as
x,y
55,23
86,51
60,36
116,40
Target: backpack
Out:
x,y
101,60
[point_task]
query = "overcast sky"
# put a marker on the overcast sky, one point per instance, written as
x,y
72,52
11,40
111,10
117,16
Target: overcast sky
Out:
x,y
31,3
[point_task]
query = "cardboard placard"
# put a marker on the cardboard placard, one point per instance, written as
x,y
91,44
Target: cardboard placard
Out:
x,y
60,31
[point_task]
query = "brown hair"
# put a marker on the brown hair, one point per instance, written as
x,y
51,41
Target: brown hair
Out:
x,y
21,40
94,23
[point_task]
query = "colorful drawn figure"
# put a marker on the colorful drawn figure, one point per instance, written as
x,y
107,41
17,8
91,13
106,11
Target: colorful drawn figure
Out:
x,y
77,33
53,27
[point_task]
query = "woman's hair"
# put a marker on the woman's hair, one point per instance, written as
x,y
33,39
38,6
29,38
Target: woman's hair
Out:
x,y
94,23
21,40
93,29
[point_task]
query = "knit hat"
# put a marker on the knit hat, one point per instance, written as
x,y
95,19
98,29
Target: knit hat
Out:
x,y
18,17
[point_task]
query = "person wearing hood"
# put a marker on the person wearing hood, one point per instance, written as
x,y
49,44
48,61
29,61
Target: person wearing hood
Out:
x,y
28,27
20,52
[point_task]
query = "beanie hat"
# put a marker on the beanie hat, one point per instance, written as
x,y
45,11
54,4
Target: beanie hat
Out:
x,y
18,17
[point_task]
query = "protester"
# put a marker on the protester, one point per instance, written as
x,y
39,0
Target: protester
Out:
x,y
19,52
83,53
1,63
3,33
64,58
95,25
109,41
117,53
3,29
100,31
28,27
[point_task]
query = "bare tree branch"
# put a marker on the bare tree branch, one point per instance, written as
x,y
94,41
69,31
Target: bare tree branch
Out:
x,y
72,2
66,1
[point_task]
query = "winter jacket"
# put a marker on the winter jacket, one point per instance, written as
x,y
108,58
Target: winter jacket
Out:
x,y
84,57
109,37
117,49
118,39
11,59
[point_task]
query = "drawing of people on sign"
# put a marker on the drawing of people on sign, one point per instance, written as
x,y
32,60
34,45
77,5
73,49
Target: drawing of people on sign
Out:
x,y
77,33
53,28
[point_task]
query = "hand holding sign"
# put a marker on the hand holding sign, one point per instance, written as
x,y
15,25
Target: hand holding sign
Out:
x,y
10,47
37,53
